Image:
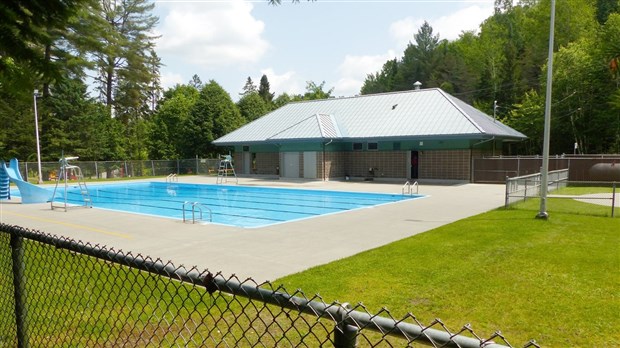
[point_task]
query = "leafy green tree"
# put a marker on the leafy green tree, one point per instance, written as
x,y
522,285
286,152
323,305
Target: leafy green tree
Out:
x,y
73,123
574,93
382,81
213,116
252,106
282,100
17,135
24,31
608,43
604,8
418,61
314,91
196,82
167,135
528,118
128,68
125,62
452,74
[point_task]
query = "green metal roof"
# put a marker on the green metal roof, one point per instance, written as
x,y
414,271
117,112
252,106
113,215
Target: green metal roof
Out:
x,y
426,113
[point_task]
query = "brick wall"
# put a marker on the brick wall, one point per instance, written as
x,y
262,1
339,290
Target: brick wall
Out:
x,y
334,165
445,165
267,162
388,164
237,158
439,164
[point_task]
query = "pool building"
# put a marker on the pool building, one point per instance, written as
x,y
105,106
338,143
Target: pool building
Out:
x,y
417,134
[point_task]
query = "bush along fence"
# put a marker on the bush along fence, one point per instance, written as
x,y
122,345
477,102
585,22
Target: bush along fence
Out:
x,y
125,169
59,292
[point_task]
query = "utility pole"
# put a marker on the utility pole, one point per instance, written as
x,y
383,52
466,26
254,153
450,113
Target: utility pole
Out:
x,y
36,131
542,214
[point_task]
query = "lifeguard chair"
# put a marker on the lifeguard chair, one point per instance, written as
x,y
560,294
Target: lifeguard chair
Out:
x,y
69,172
225,169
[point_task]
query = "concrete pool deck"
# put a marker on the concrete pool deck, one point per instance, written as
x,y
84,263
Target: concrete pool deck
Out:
x,y
264,253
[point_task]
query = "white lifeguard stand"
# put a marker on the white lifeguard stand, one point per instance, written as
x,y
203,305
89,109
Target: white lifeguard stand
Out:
x,y
224,169
70,173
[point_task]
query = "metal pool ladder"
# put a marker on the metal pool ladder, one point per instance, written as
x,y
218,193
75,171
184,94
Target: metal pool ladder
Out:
x,y
408,188
196,207
172,177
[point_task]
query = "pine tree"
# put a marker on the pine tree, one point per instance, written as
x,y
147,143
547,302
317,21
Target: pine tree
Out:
x,y
126,60
249,87
263,89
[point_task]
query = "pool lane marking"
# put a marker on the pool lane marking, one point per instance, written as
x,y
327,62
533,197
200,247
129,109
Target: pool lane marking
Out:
x,y
68,224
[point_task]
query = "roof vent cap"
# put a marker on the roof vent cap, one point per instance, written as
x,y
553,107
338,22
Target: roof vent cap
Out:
x,y
417,85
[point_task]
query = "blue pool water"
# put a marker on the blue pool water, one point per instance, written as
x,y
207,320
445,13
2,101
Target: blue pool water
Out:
x,y
241,206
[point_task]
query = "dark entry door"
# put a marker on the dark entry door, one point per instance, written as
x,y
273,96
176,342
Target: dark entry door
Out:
x,y
414,164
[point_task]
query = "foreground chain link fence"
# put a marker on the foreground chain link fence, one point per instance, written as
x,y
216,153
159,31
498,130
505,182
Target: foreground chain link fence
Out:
x,y
55,292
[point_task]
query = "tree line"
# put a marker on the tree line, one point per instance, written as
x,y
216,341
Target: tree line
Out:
x,y
501,70
61,47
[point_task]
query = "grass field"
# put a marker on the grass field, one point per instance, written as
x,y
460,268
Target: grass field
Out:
x,y
555,281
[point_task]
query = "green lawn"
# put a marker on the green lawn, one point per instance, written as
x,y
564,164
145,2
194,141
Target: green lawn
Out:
x,y
555,281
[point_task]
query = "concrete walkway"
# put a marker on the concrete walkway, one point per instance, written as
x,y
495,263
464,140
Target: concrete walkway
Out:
x,y
265,253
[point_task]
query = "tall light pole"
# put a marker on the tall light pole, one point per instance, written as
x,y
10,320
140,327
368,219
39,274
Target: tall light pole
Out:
x,y
542,214
36,131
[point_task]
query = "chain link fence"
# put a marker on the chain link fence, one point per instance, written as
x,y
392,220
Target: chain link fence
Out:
x,y
124,169
61,293
523,187
602,193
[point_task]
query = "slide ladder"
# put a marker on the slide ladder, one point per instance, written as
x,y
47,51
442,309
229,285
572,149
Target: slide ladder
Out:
x,y
224,169
66,173
5,185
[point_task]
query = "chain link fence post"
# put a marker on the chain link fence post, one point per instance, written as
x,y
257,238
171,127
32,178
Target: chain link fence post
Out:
x,y
17,257
613,199
345,335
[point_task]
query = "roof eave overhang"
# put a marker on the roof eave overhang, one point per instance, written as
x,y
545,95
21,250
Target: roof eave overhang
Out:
x,y
475,136
275,141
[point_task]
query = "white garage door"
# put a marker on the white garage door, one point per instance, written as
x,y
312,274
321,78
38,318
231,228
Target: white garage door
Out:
x,y
290,167
310,165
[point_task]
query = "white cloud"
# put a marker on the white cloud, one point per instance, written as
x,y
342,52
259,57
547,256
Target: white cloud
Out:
x,y
448,27
354,69
287,82
169,79
467,19
402,31
213,34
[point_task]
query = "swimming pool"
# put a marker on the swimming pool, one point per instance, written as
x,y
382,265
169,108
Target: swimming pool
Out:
x,y
243,206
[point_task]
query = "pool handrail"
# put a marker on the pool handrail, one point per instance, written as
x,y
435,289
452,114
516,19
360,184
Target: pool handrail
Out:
x,y
172,177
407,188
199,206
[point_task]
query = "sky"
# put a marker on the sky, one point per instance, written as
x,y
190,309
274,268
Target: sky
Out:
x,y
338,42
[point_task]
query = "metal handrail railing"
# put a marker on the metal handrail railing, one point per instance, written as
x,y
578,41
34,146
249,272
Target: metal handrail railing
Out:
x,y
408,188
172,177
196,206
